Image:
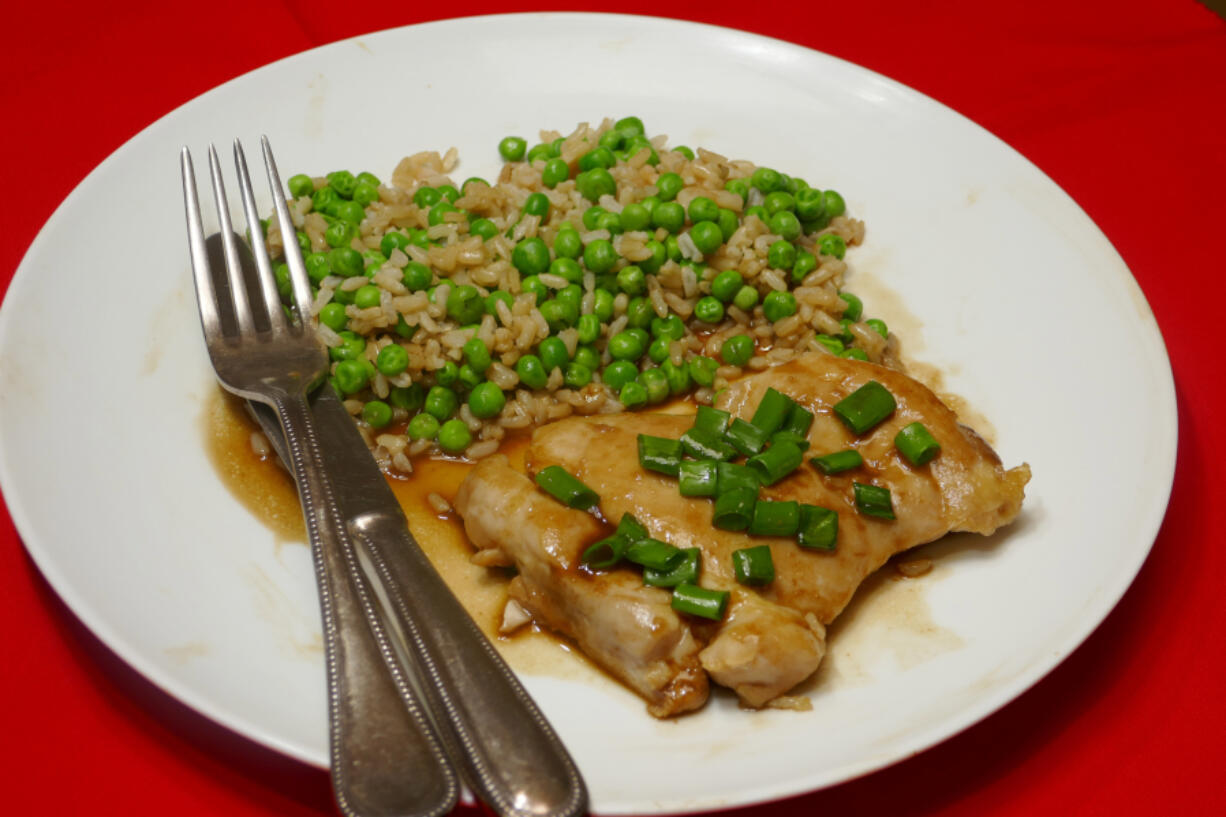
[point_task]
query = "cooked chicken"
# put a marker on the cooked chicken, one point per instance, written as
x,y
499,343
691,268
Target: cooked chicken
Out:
x,y
772,637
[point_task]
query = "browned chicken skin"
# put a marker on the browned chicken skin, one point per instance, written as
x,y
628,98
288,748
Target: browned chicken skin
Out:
x,y
772,637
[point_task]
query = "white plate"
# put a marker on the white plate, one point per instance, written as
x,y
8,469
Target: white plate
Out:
x,y
1025,305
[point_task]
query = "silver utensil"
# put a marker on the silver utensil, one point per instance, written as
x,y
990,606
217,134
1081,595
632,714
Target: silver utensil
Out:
x,y
510,756
386,758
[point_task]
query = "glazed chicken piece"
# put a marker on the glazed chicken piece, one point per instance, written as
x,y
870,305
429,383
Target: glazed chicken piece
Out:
x,y
772,637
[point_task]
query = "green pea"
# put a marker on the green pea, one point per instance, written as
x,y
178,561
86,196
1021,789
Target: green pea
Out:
x,y
318,266
810,204
365,194
832,244
477,354
377,413
301,185
556,314
669,185
454,436
486,400
737,350
702,209
631,280
281,273
781,255
726,285
594,183
592,215
572,296
470,378
613,139
670,215
625,346
702,370
351,347
855,306
427,197
635,144
639,313
641,334
465,304
423,427
555,147
633,395
512,148
610,221
404,329
587,356
806,262
576,375
541,151
333,316
635,217
678,377
568,244
728,223
879,327
778,202
536,287
659,349
589,328
597,157
854,354
343,296
655,383
438,213
649,203
685,151
758,212
602,305
599,255
659,254
409,398
417,276
441,402
492,300
671,327
834,204
418,238
324,199
738,186
447,374
532,372
619,373
373,261
831,343
531,256
554,173
472,180
449,193
785,224
553,353
778,305
709,310
367,296
630,126
343,182
483,227
346,261
351,376
766,179
537,204
304,241
707,236
340,234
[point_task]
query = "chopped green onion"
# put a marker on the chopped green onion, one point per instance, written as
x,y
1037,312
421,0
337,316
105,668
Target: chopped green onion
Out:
x,y
873,500
699,601
565,488
771,518
799,421
684,572
917,444
838,461
772,411
819,527
746,437
801,441
777,462
660,454
631,528
734,509
731,476
654,554
697,477
706,445
754,565
712,419
865,407
605,553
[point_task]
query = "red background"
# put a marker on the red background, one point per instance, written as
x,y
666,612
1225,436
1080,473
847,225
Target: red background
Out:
x,y
1122,103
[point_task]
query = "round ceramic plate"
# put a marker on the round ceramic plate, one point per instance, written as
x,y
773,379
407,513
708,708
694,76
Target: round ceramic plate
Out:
x,y
969,248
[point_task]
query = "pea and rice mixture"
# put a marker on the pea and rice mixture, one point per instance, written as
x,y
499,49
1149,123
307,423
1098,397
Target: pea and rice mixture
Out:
x,y
602,271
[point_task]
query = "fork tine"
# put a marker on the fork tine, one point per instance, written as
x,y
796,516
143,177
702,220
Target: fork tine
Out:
x,y
234,268
202,273
259,248
301,284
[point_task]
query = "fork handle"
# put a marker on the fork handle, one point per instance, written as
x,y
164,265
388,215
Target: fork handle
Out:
x,y
386,758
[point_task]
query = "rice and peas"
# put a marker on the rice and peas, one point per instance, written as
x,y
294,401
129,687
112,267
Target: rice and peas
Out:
x,y
601,271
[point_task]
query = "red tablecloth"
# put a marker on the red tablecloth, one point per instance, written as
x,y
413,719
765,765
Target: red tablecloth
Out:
x,y
1122,103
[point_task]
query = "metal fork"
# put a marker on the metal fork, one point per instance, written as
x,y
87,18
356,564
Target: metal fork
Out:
x,y
386,757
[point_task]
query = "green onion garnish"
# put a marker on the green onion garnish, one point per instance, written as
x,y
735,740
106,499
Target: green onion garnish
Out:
x,y
730,475
865,407
685,571
917,444
734,509
605,553
660,454
746,437
772,411
754,565
699,601
654,554
799,421
631,529
772,518
819,527
837,462
563,487
712,419
801,441
776,462
873,500
697,477
706,445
